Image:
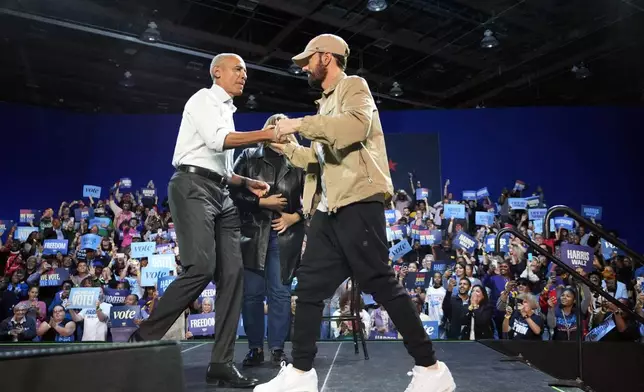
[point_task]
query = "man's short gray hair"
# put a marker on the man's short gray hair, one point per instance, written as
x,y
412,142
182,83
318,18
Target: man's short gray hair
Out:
x,y
217,60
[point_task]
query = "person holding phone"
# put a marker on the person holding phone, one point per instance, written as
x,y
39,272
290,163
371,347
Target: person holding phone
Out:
x,y
522,322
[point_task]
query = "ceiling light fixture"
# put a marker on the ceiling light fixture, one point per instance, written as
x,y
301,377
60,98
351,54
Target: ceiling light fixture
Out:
x,y
396,90
376,5
151,34
295,70
127,80
489,41
581,71
251,103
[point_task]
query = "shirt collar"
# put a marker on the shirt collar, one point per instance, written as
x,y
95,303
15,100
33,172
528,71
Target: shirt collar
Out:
x,y
222,96
15,322
333,85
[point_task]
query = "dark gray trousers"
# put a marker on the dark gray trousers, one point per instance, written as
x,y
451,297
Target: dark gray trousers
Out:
x,y
207,226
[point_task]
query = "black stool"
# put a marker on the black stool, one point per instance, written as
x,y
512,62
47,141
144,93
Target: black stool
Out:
x,y
354,317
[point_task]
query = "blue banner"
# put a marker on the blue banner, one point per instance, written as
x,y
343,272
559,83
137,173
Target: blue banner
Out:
x,y
577,256
519,185
538,226
51,247
482,193
142,249
22,232
30,216
415,231
469,195
464,241
83,213
416,279
115,296
441,266
209,292
374,334
90,241
397,233
149,192
591,212
431,329
390,216
54,278
5,225
124,316
490,243
399,250
92,191
484,218
164,249
608,249
125,183
564,222
150,276
430,237
201,324
101,223
456,211
162,261
163,283
533,201
422,193
517,203
83,297
537,213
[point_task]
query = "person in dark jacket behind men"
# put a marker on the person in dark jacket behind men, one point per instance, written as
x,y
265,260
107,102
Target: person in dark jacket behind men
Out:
x,y
272,231
455,308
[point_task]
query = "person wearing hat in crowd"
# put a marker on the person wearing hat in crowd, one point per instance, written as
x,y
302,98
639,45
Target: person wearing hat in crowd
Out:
x,y
347,185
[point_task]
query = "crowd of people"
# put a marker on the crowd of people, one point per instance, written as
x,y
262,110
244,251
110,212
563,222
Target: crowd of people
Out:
x,y
462,294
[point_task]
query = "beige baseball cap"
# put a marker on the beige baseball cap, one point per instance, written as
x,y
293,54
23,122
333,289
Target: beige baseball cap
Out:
x,y
323,43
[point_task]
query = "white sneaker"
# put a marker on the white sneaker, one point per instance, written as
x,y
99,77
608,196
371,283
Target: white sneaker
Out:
x,y
289,380
431,380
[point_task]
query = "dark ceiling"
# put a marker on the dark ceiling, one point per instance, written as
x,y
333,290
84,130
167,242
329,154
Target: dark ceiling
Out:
x,y
74,53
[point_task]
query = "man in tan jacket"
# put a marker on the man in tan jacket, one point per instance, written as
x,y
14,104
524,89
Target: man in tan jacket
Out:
x,y
347,183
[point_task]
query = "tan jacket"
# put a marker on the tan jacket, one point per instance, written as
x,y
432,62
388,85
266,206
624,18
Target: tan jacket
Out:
x,y
348,127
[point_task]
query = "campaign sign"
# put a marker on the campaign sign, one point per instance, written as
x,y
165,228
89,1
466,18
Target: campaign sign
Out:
x,y
390,216
430,237
484,218
83,213
538,226
533,201
201,324
469,195
125,183
456,211
368,299
608,249
577,256
390,234
91,191
482,193
519,185
389,335
415,231
51,247
150,276
83,297
162,261
172,234
431,328
397,233
101,223
5,225
537,213
90,241
209,292
399,250
518,203
422,193
55,278
124,316
163,283
440,266
29,216
164,249
564,222
114,296
591,212
462,240
142,249
81,254
22,232
490,243
149,193
416,279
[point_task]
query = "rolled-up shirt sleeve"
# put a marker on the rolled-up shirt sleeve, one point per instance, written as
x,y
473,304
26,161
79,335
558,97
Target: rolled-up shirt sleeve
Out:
x,y
211,125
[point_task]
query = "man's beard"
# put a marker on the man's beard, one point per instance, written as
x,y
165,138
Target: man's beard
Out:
x,y
317,76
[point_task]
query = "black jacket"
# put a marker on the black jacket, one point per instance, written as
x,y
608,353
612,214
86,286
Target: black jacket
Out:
x,y
256,222
455,313
482,323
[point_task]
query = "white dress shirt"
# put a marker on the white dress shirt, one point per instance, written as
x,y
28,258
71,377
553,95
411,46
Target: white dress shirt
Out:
x,y
207,119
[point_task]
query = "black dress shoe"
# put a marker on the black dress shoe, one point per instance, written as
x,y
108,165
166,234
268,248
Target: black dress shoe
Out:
x,y
135,337
227,375
278,357
255,357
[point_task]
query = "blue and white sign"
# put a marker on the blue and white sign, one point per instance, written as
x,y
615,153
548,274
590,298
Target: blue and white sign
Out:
x,y
563,222
608,249
51,247
484,218
125,183
90,241
114,296
29,216
101,223
519,185
482,193
469,195
209,292
577,256
490,244
163,283
441,266
91,191
518,203
464,241
591,212
431,329
83,213
390,216
201,324
399,250
149,192
83,297
150,276
124,316
22,232
167,260
456,211
5,225
142,249
538,226
396,233
430,237
54,278
164,249
537,213
533,201
422,193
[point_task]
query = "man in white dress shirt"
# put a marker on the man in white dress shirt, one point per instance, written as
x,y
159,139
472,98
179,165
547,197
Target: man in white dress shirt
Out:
x,y
205,219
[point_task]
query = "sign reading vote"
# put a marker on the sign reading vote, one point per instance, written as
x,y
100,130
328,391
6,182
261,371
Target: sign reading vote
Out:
x,y
518,203
208,292
162,261
577,256
149,192
150,276
608,249
54,278
91,191
83,297
431,329
163,283
563,222
399,250
591,212
51,247
537,213
124,316
142,249
90,241
469,195
29,216
456,211
464,241
482,193
5,225
430,237
422,193
484,218
201,324
115,296
23,232
125,183
390,216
